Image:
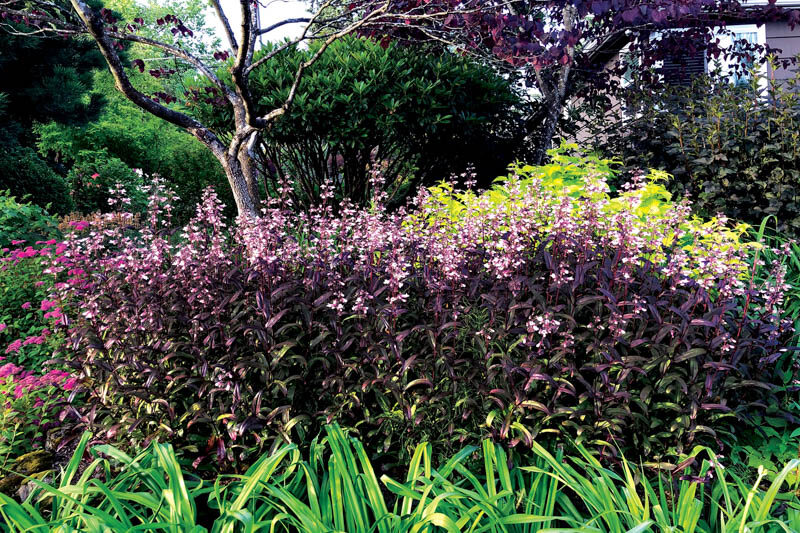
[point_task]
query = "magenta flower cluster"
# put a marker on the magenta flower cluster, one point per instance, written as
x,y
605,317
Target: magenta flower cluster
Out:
x,y
26,381
46,253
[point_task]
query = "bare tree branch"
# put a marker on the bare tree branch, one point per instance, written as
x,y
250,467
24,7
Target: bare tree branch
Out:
x,y
293,42
275,113
95,28
226,25
174,51
273,27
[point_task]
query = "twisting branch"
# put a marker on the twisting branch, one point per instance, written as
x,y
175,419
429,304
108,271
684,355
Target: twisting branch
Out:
x,y
275,113
293,42
176,52
226,24
273,27
94,26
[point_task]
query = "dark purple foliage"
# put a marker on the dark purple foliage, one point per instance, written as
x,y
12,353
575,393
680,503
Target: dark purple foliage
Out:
x,y
542,321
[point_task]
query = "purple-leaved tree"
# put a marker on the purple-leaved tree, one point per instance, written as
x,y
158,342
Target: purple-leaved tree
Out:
x,y
568,48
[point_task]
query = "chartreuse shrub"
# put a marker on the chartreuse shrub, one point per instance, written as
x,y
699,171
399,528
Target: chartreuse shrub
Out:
x,y
647,202
546,315
335,487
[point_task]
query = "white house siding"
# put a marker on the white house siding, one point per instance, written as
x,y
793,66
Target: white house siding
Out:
x,y
780,35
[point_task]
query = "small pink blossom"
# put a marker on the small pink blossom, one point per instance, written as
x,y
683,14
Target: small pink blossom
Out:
x,y
26,305
2,327
14,347
79,225
36,339
47,304
9,369
55,313
18,242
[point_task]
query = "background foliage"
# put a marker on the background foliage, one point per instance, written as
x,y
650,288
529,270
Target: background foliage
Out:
x,y
732,147
424,115
24,221
41,80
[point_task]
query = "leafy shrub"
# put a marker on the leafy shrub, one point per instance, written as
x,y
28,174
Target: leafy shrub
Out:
x,y
140,141
774,436
776,248
94,174
25,174
31,404
26,334
544,315
732,147
421,115
336,489
24,221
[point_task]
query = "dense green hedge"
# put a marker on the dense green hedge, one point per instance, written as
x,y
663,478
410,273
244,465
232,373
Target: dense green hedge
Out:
x,y
24,173
425,115
735,149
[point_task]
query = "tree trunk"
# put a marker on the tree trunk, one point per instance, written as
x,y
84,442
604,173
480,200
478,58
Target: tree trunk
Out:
x,y
545,140
246,203
249,167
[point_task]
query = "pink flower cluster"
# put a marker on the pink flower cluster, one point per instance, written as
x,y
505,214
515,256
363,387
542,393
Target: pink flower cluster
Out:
x,y
79,225
484,238
18,254
52,312
25,381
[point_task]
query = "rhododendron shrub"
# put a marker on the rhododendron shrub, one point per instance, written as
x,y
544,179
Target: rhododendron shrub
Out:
x,y
547,315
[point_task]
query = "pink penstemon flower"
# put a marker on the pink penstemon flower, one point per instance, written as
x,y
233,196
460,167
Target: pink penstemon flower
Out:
x,y
373,264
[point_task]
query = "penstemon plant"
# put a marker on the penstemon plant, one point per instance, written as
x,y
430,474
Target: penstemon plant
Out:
x,y
550,313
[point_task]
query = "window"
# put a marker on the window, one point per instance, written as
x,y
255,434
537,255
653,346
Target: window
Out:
x,y
736,37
